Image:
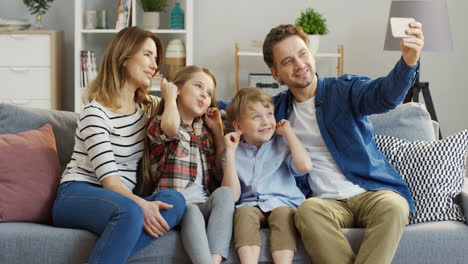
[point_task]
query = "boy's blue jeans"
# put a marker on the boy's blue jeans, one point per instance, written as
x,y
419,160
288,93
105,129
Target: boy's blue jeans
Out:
x,y
117,219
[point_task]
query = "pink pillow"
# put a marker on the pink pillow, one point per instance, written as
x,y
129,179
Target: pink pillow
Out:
x,y
29,175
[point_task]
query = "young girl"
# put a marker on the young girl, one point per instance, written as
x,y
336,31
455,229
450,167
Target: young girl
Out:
x,y
96,188
186,143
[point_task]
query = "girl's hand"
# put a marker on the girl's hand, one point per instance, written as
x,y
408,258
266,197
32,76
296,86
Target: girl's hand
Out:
x,y
154,224
169,90
283,128
232,140
212,119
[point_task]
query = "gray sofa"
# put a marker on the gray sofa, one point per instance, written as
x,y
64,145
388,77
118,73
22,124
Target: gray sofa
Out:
x,y
434,242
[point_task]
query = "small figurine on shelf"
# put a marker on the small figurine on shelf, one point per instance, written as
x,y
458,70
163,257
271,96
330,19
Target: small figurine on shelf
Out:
x,y
175,57
177,17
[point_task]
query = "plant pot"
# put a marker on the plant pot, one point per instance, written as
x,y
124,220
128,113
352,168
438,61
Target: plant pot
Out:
x,y
314,42
151,20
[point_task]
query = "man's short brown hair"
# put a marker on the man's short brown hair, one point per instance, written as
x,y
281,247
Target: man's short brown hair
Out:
x,y
244,98
276,35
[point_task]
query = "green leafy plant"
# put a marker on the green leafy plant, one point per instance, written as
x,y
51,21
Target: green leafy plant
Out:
x,y
312,22
153,5
37,7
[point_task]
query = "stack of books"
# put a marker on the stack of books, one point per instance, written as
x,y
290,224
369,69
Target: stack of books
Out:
x,y
88,67
13,24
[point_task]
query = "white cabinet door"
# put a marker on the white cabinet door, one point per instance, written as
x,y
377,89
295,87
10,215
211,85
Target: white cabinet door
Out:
x,y
25,50
25,83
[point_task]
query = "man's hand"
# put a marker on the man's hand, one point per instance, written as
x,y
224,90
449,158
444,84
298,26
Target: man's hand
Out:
x,y
154,223
411,47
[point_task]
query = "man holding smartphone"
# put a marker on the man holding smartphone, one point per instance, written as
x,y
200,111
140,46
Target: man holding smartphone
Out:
x,y
352,183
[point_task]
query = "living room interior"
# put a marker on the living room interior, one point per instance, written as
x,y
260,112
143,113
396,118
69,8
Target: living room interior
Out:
x,y
359,27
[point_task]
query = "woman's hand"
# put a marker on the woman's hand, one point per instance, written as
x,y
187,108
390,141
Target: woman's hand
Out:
x,y
154,224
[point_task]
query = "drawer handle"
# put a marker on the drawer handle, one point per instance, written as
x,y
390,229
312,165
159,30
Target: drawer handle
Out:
x,y
19,69
19,102
18,36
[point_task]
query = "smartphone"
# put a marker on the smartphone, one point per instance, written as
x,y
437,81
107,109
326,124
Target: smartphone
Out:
x,y
400,25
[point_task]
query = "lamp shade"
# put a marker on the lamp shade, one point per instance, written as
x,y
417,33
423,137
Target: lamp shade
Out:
x,y
432,14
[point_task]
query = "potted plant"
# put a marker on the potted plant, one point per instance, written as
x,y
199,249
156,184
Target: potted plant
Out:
x,y
38,8
314,24
151,10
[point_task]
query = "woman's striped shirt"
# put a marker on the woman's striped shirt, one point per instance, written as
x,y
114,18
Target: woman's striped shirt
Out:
x,y
106,144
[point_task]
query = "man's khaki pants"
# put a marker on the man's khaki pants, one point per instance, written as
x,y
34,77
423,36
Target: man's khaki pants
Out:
x,y
383,213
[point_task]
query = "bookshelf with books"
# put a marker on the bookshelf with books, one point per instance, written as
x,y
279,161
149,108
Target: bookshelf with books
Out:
x,y
119,14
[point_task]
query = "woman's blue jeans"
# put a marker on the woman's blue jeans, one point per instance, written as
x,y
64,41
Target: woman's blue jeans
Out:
x,y
117,219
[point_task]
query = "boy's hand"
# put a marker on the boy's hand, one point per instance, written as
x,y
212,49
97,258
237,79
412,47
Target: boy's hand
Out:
x,y
168,90
212,119
232,140
283,128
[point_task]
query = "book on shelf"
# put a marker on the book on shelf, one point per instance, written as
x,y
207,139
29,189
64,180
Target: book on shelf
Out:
x,y
123,14
88,67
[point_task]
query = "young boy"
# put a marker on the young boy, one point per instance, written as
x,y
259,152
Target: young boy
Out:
x,y
260,170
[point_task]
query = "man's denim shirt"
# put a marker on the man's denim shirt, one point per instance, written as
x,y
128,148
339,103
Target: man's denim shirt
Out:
x,y
342,106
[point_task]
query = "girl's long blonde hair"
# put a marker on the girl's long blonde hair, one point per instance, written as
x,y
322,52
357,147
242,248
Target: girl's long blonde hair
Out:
x,y
111,76
148,182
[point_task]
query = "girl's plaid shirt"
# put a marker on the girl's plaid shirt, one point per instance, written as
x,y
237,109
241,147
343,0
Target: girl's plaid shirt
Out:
x,y
173,160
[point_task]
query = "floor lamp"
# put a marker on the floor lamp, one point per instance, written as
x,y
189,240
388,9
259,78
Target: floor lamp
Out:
x,y
433,15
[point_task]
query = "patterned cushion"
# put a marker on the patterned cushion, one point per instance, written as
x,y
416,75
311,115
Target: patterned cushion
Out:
x,y
29,175
434,172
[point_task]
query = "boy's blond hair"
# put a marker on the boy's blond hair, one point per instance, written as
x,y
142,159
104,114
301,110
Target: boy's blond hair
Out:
x,y
244,99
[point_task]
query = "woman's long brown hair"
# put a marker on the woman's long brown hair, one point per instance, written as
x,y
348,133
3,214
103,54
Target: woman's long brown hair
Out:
x,y
111,76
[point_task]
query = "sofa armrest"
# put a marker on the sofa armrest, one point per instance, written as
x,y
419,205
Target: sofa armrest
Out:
x,y
436,126
464,200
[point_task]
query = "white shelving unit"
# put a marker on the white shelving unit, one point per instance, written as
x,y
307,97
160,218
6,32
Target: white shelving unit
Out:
x,y
98,39
237,53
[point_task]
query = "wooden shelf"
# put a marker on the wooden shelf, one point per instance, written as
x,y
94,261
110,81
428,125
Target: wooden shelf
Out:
x,y
237,53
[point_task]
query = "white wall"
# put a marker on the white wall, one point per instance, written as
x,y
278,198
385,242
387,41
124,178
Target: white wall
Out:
x,y
359,25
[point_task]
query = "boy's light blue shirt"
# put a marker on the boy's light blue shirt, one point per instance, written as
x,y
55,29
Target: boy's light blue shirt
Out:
x,y
266,175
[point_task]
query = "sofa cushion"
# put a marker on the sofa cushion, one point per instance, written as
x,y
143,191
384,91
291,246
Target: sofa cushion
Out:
x,y
434,172
29,175
15,119
409,121
435,242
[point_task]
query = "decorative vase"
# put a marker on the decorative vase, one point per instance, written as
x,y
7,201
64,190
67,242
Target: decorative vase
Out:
x,y
314,42
177,17
175,57
38,24
151,20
